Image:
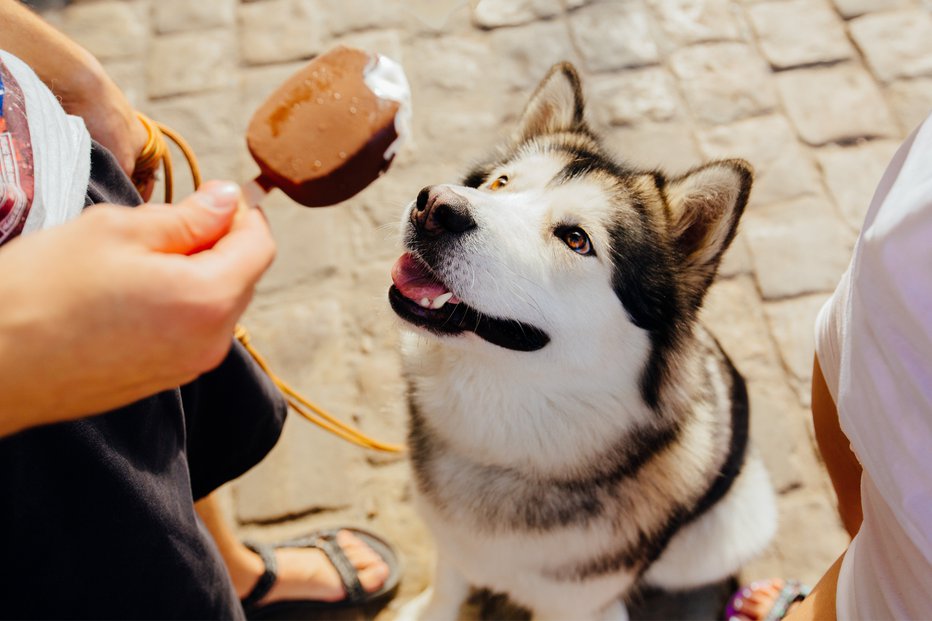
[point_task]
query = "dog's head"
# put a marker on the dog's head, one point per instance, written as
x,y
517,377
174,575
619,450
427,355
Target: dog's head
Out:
x,y
555,248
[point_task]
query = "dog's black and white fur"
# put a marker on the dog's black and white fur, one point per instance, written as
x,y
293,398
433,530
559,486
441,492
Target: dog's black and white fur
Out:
x,y
574,430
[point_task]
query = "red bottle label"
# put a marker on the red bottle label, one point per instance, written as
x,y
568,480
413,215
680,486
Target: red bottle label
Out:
x,y
17,174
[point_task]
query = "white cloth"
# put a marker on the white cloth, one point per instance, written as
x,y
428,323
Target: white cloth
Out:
x,y
61,148
874,344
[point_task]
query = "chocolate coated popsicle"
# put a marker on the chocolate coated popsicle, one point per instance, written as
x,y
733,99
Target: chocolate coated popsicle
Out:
x,y
332,128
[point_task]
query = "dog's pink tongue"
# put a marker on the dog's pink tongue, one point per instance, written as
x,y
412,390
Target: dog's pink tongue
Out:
x,y
414,281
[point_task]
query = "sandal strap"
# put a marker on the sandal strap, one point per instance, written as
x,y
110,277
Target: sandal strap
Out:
x,y
326,542
793,591
268,577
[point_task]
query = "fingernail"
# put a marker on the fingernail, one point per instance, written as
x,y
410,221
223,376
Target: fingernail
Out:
x,y
219,194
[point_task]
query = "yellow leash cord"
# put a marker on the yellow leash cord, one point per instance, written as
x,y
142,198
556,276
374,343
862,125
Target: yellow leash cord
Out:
x,y
156,154
312,412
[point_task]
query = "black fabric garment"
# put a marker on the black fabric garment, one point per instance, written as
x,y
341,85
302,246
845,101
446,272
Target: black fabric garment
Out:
x,y
97,519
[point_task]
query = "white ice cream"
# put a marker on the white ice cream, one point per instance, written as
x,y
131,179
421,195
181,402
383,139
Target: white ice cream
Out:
x,y
387,80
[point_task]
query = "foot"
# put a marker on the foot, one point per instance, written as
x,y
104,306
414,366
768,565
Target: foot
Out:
x,y
307,573
757,600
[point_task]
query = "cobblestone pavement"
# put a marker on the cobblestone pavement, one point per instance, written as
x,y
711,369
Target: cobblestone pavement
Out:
x,y
815,93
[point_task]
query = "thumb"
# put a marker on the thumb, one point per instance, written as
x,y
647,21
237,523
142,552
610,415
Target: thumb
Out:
x,y
197,222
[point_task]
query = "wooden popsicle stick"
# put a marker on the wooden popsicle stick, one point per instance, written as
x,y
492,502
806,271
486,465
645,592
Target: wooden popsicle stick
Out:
x,y
253,193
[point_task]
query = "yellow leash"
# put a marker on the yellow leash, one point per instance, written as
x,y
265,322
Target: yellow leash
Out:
x,y
156,154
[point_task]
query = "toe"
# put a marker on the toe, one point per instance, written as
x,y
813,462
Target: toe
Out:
x,y
373,577
362,557
758,598
358,551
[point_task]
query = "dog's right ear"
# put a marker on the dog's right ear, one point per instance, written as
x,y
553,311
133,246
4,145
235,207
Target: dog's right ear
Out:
x,y
556,106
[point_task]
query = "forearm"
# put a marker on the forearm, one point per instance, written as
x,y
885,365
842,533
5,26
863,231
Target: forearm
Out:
x,y
77,79
70,71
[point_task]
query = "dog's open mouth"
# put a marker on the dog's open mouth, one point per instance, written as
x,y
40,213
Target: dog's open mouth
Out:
x,y
420,298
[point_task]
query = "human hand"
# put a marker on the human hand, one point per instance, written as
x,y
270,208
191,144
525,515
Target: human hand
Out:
x,y
122,303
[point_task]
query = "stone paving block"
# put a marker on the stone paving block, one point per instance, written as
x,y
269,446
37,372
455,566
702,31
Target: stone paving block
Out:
x,y
778,431
723,82
792,324
799,32
526,53
309,469
911,101
782,167
451,63
829,104
513,12
614,35
853,8
737,259
109,29
630,97
685,22
275,31
191,62
313,244
436,17
385,42
798,247
476,124
734,313
667,146
852,173
207,120
177,15
897,44
342,16
130,76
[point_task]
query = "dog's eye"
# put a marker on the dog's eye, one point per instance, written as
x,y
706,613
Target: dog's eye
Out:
x,y
499,183
576,239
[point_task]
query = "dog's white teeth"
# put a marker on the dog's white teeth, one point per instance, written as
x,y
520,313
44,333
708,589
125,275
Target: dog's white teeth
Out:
x,y
425,302
440,300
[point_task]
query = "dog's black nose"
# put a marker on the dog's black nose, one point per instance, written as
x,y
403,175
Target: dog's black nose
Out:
x,y
440,210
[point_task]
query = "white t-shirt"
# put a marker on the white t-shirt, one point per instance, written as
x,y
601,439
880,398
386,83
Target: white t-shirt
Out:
x,y
874,344
60,151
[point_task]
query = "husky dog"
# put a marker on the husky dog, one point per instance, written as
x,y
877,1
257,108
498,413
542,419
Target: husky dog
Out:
x,y
574,430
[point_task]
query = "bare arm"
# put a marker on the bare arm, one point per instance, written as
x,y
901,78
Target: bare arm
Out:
x,y
842,465
77,78
845,472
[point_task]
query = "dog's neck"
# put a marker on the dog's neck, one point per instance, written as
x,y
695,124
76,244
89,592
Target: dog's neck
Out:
x,y
504,409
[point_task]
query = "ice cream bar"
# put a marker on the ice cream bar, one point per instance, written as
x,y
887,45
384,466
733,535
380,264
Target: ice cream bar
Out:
x,y
331,129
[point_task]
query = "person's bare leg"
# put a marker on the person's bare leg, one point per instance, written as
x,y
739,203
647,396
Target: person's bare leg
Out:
x,y
303,573
845,472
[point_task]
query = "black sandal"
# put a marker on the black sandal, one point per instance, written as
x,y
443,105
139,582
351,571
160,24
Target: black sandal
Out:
x,y
326,541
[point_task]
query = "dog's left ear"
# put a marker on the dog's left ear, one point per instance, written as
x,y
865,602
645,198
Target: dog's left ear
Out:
x,y
556,106
705,206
